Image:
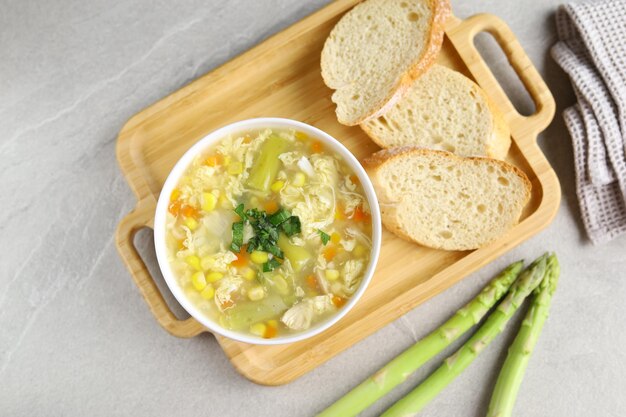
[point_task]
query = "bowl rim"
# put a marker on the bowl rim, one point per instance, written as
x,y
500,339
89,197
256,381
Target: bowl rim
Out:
x,y
211,139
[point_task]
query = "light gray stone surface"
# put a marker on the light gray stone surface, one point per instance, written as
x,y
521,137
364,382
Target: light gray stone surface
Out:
x,y
75,336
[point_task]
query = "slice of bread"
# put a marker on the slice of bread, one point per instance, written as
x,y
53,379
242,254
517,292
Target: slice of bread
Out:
x,y
444,110
376,51
444,201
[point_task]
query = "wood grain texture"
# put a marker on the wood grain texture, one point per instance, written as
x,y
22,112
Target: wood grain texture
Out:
x,y
281,78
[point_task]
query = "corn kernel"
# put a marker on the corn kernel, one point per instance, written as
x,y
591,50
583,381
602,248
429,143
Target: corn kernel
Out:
x,y
259,257
198,280
235,168
301,136
248,273
277,186
256,293
335,237
272,323
214,276
258,329
194,262
191,223
208,292
227,160
175,194
331,274
299,179
359,250
208,201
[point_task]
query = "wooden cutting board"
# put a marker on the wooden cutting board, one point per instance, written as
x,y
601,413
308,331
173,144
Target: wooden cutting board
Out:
x,y
281,78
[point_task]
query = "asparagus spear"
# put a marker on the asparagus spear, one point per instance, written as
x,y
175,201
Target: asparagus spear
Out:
x,y
512,372
413,402
396,371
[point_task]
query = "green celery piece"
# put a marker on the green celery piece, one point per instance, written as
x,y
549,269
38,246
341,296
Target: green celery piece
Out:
x,y
242,316
512,372
267,164
297,255
396,371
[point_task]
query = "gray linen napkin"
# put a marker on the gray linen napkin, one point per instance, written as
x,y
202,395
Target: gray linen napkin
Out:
x,y
592,51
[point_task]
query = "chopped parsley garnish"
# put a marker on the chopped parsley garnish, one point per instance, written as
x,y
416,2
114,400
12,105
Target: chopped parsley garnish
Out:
x,y
240,212
275,251
279,217
271,265
266,230
324,236
235,246
291,226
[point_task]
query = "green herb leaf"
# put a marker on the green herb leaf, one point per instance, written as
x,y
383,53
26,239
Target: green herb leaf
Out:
x,y
280,216
266,230
235,246
239,210
271,265
256,214
291,226
324,236
275,250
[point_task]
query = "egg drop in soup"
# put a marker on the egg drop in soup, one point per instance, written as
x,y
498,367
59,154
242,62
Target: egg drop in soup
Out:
x,y
268,232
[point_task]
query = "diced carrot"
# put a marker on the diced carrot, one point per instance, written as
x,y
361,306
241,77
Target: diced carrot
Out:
x,y
214,160
189,211
329,253
338,301
247,139
317,147
242,258
360,216
354,179
174,207
270,331
227,304
181,244
271,206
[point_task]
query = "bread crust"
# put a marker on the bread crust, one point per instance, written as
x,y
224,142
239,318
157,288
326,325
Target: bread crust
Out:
x,y
496,146
500,142
388,205
441,11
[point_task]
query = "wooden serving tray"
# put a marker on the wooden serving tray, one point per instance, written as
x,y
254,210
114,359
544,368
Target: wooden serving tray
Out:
x,y
281,78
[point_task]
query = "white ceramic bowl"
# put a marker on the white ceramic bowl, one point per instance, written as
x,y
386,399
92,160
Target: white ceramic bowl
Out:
x,y
199,148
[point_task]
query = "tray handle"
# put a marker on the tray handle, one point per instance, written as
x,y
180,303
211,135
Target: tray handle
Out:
x,y
462,33
143,216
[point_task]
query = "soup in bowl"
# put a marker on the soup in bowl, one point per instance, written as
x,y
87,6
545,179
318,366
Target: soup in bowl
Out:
x,y
267,231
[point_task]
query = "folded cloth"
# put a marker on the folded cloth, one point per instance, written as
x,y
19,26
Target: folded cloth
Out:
x,y
592,51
